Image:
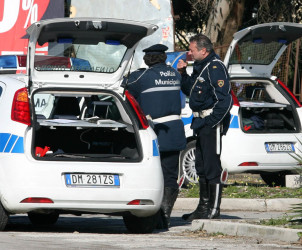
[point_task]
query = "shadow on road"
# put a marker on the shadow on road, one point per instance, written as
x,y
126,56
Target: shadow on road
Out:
x,y
70,224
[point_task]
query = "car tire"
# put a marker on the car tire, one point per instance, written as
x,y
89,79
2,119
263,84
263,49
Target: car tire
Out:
x,y
39,219
274,179
3,217
187,164
141,225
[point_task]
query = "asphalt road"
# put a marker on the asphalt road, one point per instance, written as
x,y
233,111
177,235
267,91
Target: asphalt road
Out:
x,y
103,232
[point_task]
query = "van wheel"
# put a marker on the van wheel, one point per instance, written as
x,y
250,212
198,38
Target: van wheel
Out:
x,y
43,219
141,225
3,217
187,164
274,179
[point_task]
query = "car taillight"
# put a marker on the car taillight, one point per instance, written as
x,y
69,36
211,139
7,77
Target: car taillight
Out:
x,y
139,112
140,202
248,164
235,99
289,92
20,107
134,202
37,200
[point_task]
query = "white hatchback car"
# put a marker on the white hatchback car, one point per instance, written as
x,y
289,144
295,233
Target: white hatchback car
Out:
x,y
70,142
266,117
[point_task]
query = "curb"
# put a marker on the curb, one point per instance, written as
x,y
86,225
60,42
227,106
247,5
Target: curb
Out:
x,y
247,230
233,204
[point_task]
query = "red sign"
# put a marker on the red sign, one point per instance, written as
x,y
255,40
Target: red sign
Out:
x,y
17,15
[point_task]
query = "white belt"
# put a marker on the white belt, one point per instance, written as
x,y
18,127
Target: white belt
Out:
x,y
166,119
203,113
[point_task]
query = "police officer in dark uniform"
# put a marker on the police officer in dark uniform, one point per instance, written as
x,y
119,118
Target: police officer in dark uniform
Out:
x,y
211,101
157,90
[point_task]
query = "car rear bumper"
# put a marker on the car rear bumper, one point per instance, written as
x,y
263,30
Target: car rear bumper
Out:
x,y
27,179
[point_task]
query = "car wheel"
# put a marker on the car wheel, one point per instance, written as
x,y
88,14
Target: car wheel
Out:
x,y
43,219
274,179
3,217
141,225
187,164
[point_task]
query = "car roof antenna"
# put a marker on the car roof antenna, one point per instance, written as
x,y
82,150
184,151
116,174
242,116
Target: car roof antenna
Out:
x,y
125,86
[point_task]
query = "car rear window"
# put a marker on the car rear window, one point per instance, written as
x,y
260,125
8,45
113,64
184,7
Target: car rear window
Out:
x,y
253,52
103,57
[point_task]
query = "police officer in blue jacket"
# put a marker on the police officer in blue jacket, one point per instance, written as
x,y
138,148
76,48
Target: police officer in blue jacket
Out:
x,y
211,101
157,90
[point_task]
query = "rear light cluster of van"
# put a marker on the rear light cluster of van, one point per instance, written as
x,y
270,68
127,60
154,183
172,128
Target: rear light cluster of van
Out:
x,y
139,112
20,108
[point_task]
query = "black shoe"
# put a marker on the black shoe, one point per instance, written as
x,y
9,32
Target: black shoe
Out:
x,y
202,210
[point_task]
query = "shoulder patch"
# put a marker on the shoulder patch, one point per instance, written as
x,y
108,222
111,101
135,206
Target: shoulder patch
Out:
x,y
220,83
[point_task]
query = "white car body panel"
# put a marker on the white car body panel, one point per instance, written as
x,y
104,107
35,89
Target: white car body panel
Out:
x,y
23,176
243,147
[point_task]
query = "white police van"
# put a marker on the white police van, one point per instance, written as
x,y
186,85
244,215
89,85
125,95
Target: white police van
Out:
x,y
70,141
265,128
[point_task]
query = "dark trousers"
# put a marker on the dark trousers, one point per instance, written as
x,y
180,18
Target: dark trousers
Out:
x,y
207,161
169,164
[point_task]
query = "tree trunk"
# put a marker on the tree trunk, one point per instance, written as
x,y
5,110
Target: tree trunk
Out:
x,y
223,22
220,11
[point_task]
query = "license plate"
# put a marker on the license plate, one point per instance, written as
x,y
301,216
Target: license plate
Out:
x,y
84,179
279,147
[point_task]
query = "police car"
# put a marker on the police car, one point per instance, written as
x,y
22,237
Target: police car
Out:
x,y
70,141
265,127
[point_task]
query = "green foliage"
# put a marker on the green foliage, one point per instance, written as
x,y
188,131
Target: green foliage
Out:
x,y
192,16
276,222
257,192
186,21
248,192
191,192
297,220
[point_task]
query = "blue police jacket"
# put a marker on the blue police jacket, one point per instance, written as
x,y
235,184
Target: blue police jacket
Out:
x,y
209,88
157,90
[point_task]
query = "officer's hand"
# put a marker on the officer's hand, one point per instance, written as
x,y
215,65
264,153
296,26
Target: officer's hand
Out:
x,y
181,66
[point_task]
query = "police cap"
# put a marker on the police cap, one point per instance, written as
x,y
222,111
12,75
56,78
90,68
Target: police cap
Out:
x,y
156,49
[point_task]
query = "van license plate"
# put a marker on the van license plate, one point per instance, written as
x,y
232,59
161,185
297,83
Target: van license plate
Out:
x,y
84,179
279,147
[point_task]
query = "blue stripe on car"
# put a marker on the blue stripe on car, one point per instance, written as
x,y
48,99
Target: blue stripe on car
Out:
x,y
10,143
234,121
233,124
4,137
18,148
155,148
187,120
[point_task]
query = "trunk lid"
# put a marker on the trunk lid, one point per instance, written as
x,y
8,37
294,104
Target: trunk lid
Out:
x,y
255,50
82,52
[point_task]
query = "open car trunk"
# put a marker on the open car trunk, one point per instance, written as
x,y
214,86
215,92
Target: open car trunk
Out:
x,y
84,125
263,109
